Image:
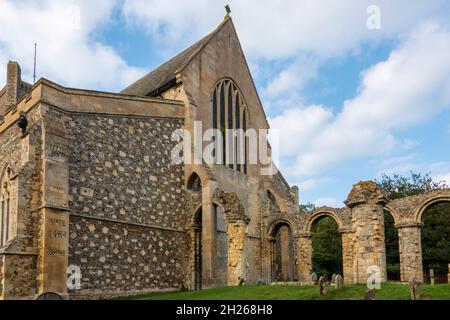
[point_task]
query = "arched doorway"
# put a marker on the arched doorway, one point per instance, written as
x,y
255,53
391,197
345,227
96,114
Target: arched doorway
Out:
x,y
283,253
327,258
392,247
435,238
198,249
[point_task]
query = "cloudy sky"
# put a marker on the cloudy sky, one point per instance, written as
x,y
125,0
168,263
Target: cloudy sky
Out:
x,y
352,100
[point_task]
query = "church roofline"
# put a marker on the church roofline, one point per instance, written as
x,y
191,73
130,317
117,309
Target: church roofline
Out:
x,y
165,75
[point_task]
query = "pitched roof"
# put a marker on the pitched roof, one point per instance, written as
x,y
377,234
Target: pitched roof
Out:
x,y
167,72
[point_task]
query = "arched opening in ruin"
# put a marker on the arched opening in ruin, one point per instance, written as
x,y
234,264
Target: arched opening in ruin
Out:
x,y
283,253
221,249
435,237
327,258
198,249
392,247
194,183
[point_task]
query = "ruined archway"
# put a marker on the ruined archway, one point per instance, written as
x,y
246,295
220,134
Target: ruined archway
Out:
x,y
435,240
393,270
281,239
326,242
197,228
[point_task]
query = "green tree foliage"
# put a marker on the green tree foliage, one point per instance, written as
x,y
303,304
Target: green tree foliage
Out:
x,y
436,240
399,186
308,207
436,228
327,248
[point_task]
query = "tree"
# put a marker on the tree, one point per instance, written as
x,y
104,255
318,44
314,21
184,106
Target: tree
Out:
x,y
308,207
399,186
327,248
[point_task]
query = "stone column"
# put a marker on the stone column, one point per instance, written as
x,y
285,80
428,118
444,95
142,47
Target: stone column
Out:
x,y
237,264
208,234
54,212
304,257
347,255
367,201
410,247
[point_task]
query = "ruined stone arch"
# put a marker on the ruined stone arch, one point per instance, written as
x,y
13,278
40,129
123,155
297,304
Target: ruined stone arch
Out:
x,y
273,228
200,171
281,240
322,213
438,198
393,212
194,183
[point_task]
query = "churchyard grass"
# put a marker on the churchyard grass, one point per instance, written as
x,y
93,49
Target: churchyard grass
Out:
x,y
389,291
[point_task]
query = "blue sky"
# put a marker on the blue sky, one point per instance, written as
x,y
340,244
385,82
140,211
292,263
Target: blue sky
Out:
x,y
351,102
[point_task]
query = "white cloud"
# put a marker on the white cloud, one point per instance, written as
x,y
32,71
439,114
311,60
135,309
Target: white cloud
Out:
x,y
443,177
410,87
67,52
281,29
327,202
292,78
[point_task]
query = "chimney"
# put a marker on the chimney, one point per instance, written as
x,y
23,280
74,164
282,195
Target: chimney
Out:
x,y
13,82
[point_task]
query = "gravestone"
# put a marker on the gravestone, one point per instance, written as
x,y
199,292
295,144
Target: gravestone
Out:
x,y
321,284
314,278
333,278
432,277
339,282
370,294
414,290
325,288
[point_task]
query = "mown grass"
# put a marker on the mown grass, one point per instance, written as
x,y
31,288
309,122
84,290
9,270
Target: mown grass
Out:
x,y
388,291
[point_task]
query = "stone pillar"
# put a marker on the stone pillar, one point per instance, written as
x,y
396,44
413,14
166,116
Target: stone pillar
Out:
x,y
237,264
367,201
410,247
54,212
304,257
347,256
208,234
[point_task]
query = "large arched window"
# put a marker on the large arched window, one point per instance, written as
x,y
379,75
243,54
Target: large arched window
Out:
x,y
230,120
5,209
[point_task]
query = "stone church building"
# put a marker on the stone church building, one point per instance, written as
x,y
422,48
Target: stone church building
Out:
x,y
90,184
93,205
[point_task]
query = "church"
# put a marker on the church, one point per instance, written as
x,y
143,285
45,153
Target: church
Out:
x,y
93,205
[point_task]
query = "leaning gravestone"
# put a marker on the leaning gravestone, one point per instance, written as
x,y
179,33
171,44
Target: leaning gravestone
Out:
x,y
370,294
414,290
339,282
314,278
432,277
321,284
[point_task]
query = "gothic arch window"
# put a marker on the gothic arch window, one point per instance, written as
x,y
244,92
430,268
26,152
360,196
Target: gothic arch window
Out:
x,y
194,183
5,206
229,113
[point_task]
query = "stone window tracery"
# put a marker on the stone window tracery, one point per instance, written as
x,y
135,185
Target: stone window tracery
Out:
x,y
229,115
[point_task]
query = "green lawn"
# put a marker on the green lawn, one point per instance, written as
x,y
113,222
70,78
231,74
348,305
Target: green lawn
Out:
x,y
389,291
